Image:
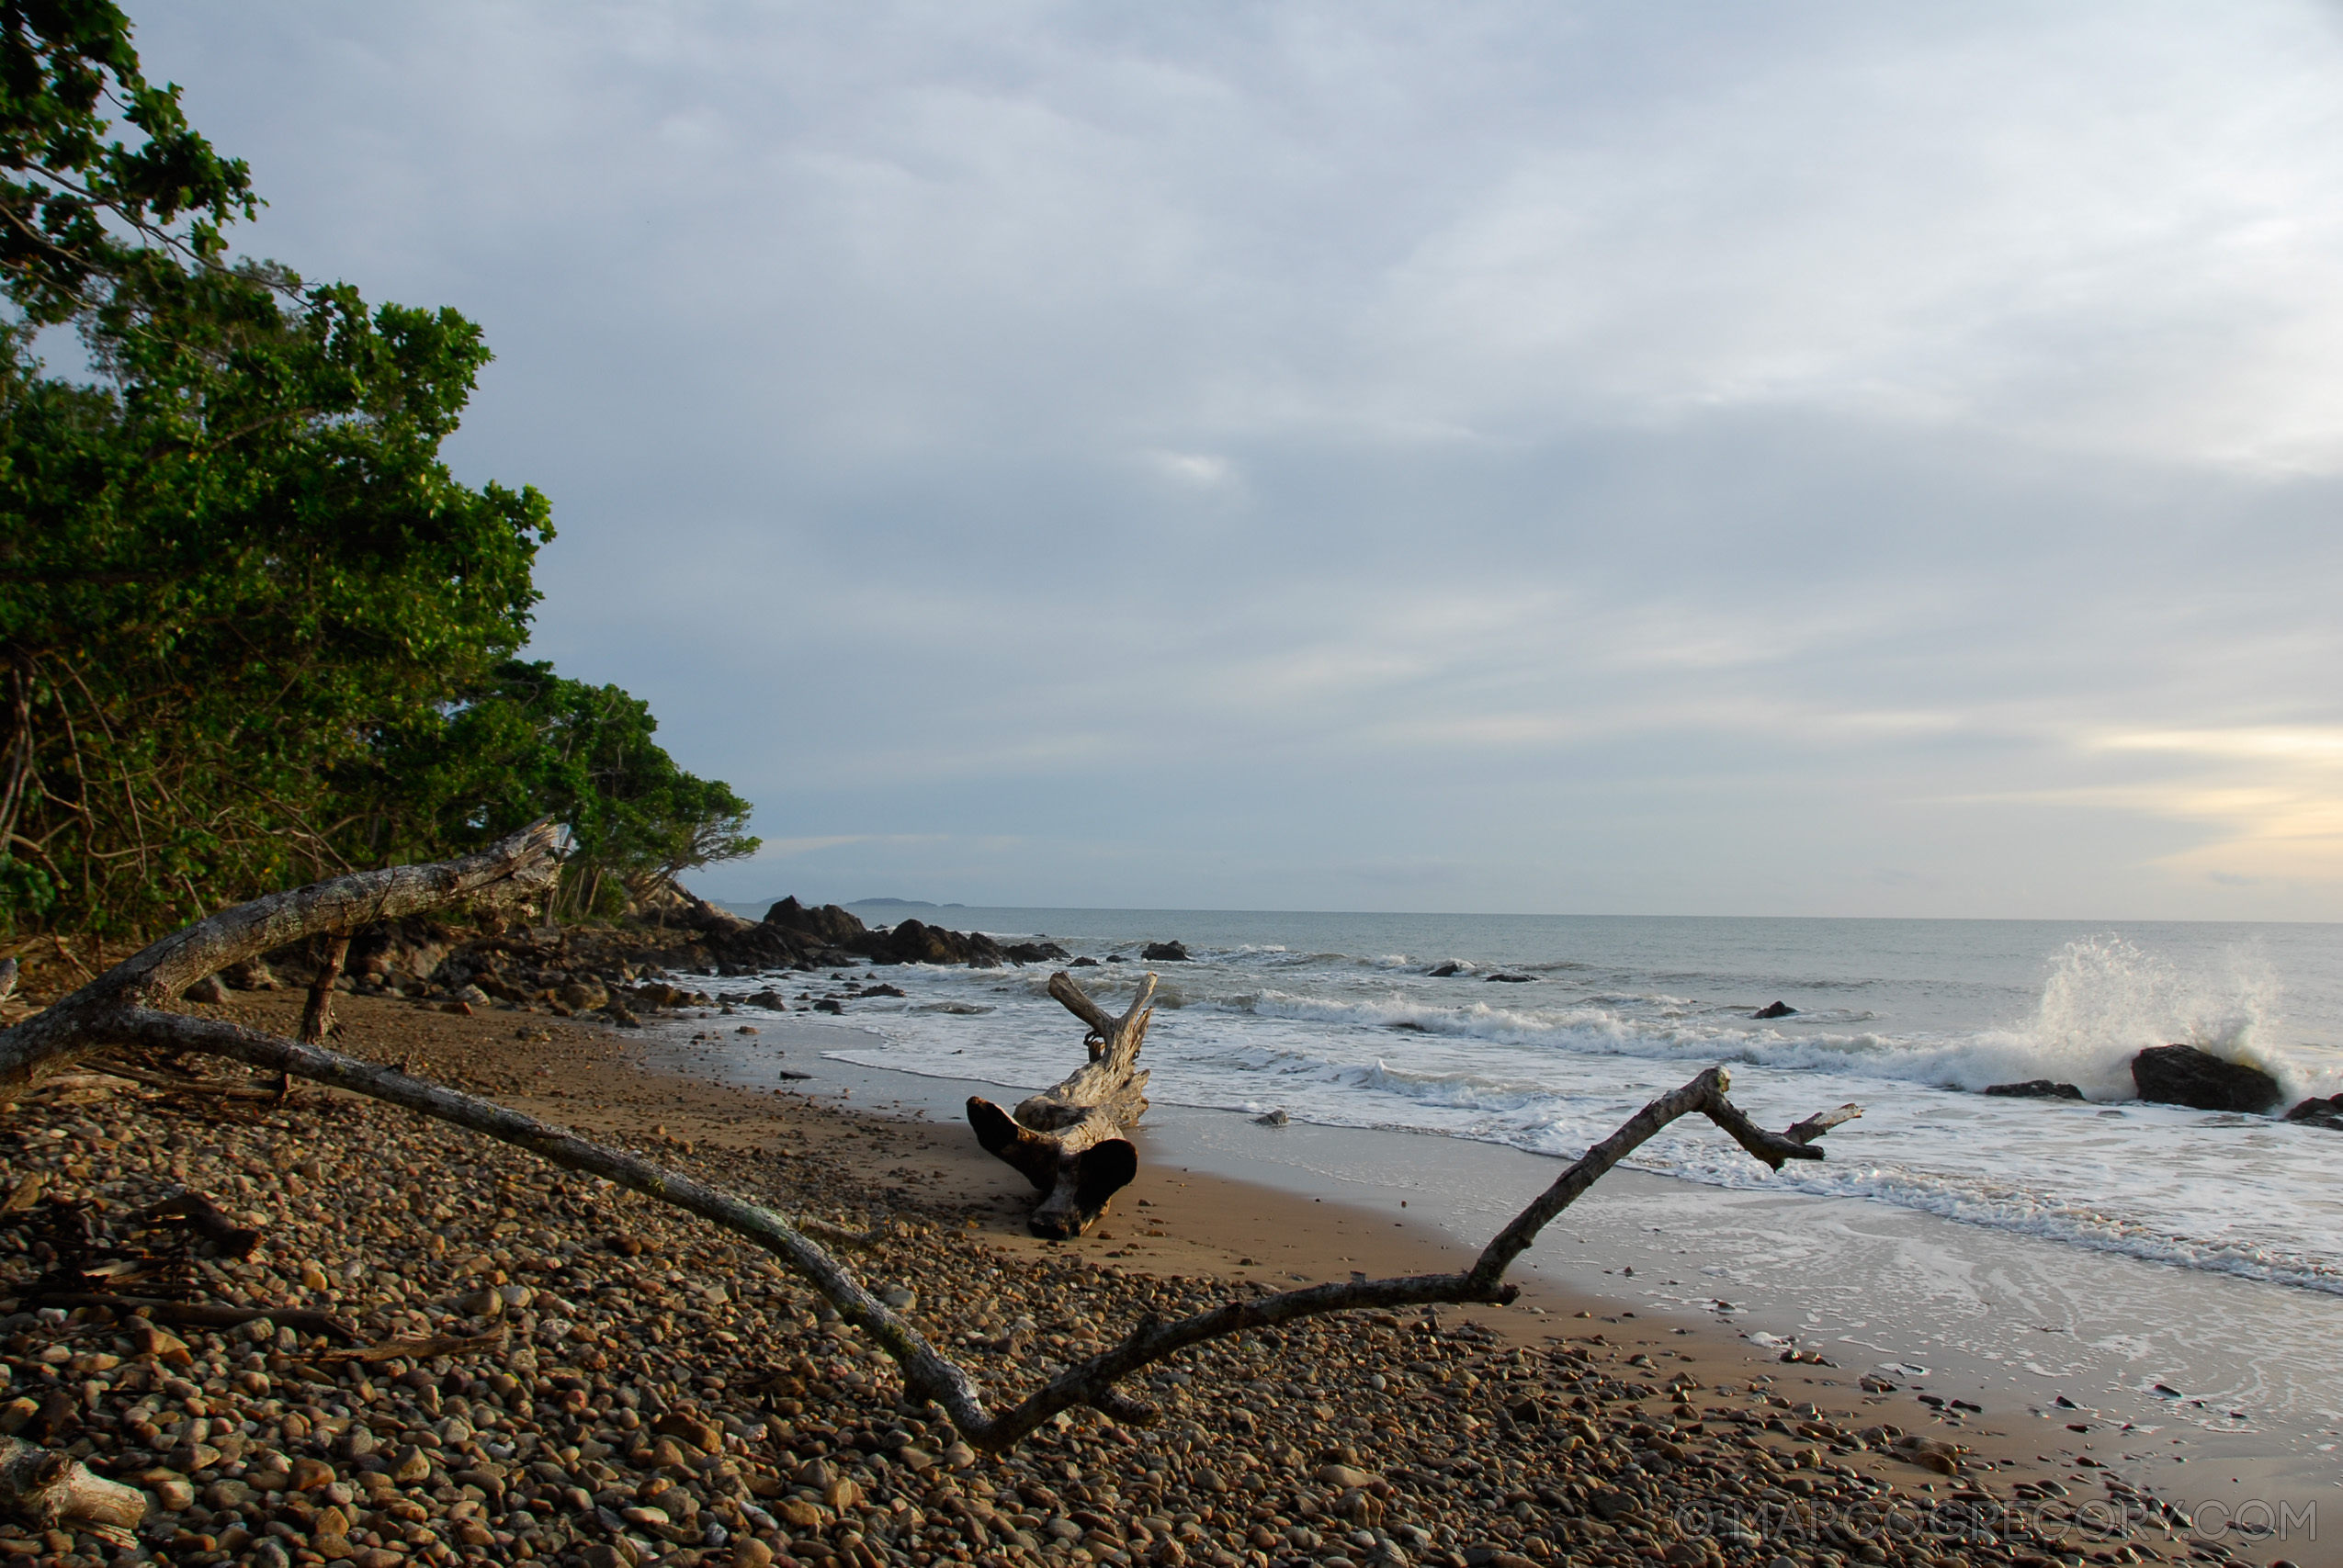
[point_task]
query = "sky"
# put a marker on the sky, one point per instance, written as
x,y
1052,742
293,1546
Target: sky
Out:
x,y
1820,459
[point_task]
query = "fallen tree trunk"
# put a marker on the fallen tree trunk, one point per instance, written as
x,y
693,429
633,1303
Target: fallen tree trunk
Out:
x,y
52,1490
129,1006
1068,1141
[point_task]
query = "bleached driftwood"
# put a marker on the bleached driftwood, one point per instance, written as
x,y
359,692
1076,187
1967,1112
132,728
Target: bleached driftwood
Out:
x,y
55,1492
129,1004
1069,1141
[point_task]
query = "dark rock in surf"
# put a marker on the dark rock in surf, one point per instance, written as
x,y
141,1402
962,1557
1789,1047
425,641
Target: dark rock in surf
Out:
x,y
830,926
2036,1088
1501,978
2182,1075
1165,952
1275,1118
828,1004
1035,953
915,942
1446,970
1085,962
1778,1010
2328,1113
881,990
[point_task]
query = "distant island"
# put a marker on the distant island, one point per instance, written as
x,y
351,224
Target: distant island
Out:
x,y
901,904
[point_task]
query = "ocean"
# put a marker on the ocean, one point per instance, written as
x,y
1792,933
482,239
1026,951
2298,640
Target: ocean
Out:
x,y
1553,1030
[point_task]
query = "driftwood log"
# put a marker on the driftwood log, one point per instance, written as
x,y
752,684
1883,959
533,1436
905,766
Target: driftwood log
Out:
x,y
1069,1141
130,1005
52,1490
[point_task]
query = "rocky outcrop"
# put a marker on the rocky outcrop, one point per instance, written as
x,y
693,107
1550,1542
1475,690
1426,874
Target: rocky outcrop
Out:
x,y
916,942
1035,952
2036,1088
1776,1010
1166,952
1446,970
2182,1075
2328,1113
827,926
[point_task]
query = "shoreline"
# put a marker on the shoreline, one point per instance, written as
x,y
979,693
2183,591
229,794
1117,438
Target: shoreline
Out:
x,y
1480,1440
1870,1287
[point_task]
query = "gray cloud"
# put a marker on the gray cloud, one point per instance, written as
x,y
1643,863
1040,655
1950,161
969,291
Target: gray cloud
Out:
x,y
1832,459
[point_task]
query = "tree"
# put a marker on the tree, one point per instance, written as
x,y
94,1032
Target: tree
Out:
x,y
254,629
228,570
528,742
77,206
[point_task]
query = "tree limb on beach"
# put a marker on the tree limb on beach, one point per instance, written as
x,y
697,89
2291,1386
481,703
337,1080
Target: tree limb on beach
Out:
x,y
1068,1140
127,1006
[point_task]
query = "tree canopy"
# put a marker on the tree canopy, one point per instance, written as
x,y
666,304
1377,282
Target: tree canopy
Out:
x,y
254,628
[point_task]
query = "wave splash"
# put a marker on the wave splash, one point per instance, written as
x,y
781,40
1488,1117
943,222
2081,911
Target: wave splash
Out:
x,y
1348,1029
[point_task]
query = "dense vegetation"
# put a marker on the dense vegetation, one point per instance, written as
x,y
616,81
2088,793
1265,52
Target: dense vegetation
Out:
x,y
254,629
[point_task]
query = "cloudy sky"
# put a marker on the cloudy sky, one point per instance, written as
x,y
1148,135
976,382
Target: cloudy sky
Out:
x,y
1811,459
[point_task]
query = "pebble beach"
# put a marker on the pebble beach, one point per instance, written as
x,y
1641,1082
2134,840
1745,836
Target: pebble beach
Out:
x,y
530,1365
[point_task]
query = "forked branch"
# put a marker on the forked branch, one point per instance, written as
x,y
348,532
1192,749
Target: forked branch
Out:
x,y
122,1006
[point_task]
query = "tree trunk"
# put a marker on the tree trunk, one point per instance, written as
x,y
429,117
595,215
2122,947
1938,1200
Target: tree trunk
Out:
x,y
1068,1141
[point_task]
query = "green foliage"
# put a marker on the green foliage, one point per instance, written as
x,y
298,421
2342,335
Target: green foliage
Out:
x,y
227,572
254,629
529,741
77,204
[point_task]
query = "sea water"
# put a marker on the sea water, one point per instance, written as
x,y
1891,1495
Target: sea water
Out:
x,y
1551,1031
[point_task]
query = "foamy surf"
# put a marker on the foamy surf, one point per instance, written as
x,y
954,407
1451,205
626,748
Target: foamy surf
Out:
x,y
1338,1021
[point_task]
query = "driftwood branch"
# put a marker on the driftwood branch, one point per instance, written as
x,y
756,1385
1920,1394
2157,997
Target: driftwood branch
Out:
x,y
124,1007
217,1088
521,866
53,1490
1069,1141
201,1314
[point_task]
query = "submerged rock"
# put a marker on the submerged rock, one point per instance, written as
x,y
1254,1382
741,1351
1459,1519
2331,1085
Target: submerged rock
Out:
x,y
1445,970
2182,1075
2036,1088
2328,1113
1776,1010
1502,978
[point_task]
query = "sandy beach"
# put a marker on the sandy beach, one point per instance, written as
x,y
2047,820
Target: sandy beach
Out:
x,y
647,1357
